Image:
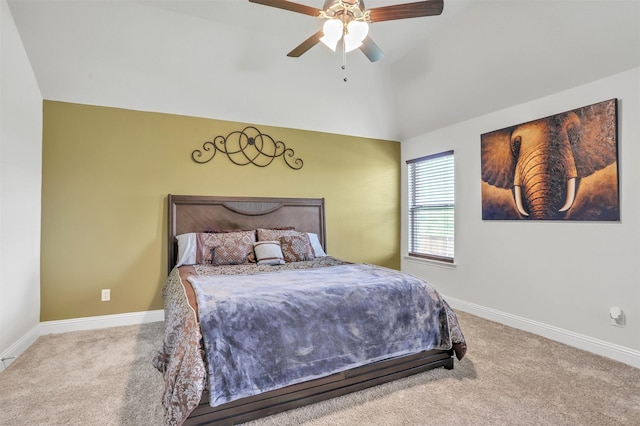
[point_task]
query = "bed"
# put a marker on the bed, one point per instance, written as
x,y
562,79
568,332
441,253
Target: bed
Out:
x,y
209,358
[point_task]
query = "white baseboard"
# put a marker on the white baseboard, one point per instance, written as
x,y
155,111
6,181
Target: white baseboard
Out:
x,y
580,341
76,324
18,347
103,321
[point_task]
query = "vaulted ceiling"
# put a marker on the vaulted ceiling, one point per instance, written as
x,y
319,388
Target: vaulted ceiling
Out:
x,y
227,59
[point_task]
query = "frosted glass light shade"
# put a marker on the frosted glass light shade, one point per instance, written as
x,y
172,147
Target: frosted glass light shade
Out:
x,y
332,30
355,35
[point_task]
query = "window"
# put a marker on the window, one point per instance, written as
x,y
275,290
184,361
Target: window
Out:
x,y
431,207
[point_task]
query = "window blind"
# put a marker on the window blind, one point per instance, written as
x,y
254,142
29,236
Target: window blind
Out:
x,y
431,207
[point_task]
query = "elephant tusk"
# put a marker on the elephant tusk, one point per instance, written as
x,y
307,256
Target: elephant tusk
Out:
x,y
518,198
571,195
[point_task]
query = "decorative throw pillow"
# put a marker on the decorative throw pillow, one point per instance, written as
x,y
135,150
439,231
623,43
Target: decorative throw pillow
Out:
x,y
268,253
231,248
224,231
274,234
296,248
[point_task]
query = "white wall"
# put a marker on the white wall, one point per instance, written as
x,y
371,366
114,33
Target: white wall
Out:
x,y
20,187
554,278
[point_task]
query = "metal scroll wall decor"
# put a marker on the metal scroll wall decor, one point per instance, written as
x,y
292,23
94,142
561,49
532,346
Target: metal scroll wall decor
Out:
x,y
248,146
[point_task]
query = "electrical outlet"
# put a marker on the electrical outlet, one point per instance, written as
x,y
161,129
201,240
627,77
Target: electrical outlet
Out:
x,y
617,316
105,295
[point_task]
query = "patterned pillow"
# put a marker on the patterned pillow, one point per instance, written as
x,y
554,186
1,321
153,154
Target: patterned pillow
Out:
x,y
231,248
296,248
224,231
274,234
268,253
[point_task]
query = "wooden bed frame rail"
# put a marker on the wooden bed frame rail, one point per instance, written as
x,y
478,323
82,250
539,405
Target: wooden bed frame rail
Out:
x,y
306,393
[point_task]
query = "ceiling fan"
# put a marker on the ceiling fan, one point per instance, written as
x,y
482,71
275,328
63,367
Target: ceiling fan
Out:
x,y
347,21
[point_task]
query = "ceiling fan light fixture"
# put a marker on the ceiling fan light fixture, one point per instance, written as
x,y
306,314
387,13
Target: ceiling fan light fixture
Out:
x,y
354,36
345,16
333,30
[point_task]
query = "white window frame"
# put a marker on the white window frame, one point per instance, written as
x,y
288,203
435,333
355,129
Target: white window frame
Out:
x,y
431,207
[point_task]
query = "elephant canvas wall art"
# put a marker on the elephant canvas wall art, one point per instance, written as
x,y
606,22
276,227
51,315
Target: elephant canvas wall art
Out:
x,y
562,167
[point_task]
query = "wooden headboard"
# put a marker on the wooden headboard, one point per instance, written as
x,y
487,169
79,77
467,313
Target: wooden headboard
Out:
x,y
195,213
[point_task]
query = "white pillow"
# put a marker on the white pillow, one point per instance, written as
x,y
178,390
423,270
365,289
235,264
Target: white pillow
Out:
x,y
315,245
187,247
268,253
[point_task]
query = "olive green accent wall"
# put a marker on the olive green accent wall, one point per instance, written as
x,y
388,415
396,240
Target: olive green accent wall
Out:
x,y
107,173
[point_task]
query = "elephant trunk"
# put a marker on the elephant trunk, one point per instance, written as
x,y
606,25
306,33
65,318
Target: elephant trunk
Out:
x,y
545,183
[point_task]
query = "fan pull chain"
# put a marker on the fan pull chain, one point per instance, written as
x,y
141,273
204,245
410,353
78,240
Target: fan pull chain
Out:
x,y
344,61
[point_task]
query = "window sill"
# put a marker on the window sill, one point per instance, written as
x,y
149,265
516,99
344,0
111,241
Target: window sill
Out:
x,y
431,262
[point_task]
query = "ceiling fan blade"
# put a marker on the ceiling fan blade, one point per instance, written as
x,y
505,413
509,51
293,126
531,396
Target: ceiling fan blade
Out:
x,y
306,45
371,50
406,10
287,5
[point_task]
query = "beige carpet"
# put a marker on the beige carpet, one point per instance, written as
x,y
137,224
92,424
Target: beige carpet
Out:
x,y
509,377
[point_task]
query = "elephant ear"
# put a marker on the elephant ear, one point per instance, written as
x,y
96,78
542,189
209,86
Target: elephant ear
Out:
x,y
594,141
498,161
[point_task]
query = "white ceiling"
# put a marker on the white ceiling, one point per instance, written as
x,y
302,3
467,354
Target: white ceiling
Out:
x,y
226,59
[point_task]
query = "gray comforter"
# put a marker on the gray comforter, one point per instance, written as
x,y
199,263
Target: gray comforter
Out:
x,y
269,330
